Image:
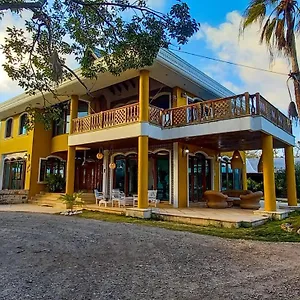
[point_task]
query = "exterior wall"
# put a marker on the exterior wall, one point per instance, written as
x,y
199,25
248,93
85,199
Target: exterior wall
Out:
x,y
41,147
181,186
15,144
178,99
59,143
36,144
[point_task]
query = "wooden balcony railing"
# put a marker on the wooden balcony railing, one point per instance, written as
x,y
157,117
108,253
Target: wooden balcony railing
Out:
x,y
109,118
224,109
202,112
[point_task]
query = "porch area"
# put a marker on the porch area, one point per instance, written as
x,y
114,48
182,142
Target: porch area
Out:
x,y
202,216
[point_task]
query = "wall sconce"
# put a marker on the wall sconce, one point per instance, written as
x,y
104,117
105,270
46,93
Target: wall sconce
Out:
x,y
185,151
26,156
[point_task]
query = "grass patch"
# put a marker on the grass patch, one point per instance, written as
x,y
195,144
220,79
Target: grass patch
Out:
x,y
270,232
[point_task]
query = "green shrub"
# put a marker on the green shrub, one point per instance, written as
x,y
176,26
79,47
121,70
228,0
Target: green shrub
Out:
x,y
55,183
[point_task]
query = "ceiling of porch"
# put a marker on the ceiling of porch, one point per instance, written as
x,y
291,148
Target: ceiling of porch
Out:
x,y
240,140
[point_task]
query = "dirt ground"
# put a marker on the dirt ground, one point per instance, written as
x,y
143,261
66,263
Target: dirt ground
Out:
x,y
54,257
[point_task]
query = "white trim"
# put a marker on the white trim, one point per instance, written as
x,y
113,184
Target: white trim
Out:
x,y
176,177
105,172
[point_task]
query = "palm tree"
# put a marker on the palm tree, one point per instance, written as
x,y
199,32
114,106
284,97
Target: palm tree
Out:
x,y
279,20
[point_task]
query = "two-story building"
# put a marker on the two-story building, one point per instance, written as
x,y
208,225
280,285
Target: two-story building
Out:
x,y
165,127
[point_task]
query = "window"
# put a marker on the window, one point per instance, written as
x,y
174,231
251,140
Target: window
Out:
x,y
14,174
51,165
8,127
63,125
22,122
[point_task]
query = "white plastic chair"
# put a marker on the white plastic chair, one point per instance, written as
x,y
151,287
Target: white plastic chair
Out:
x,y
152,195
100,199
117,196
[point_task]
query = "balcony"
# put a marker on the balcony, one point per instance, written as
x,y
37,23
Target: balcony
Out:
x,y
203,112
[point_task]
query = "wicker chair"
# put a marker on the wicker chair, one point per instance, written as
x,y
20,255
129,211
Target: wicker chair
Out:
x,y
251,201
216,199
236,194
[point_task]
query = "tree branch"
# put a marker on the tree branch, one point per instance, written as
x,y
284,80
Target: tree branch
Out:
x,y
22,5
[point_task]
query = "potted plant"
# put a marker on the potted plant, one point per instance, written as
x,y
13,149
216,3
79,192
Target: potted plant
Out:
x,y
71,200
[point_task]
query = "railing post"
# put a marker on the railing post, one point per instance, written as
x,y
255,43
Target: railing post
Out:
x,y
247,100
257,96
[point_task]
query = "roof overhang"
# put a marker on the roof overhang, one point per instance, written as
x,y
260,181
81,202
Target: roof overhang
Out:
x,y
167,68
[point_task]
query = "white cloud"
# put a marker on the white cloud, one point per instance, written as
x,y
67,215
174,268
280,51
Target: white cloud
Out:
x,y
225,43
8,87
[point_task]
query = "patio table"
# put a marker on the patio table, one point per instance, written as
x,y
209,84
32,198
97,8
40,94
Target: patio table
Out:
x,y
124,201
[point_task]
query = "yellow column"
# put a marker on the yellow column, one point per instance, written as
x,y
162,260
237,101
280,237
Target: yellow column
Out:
x,y
217,175
73,110
180,101
144,96
244,171
143,172
70,174
70,170
290,176
268,173
182,177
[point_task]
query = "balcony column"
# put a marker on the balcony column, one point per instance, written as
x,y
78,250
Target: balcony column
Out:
x,y
70,180
244,171
143,172
290,176
268,173
143,141
144,96
73,110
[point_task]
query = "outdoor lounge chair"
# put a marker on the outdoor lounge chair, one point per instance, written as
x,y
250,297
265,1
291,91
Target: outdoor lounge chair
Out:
x,y
251,201
236,195
216,199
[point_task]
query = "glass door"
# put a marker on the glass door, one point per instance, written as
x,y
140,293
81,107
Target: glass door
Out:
x,y
199,177
163,171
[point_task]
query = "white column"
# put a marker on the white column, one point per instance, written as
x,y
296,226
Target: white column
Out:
x,y
105,179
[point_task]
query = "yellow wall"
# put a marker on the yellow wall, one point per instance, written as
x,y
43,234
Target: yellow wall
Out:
x,y
41,148
183,171
59,143
180,101
16,143
36,143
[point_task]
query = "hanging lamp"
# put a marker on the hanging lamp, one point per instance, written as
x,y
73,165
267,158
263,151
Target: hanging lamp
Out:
x,y
99,154
236,160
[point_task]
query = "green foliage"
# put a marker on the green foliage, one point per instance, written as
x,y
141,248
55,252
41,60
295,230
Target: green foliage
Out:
x,y
254,186
46,115
127,35
71,200
278,20
55,183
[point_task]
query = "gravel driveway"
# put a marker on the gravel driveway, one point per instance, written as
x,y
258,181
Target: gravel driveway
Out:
x,y
54,257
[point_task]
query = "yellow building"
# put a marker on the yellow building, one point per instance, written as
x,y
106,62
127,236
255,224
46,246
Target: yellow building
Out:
x,y
168,127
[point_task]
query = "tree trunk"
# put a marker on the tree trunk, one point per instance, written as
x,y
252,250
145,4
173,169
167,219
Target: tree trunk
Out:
x,y
295,71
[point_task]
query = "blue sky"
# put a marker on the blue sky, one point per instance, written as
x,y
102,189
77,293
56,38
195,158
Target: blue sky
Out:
x,y
218,38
